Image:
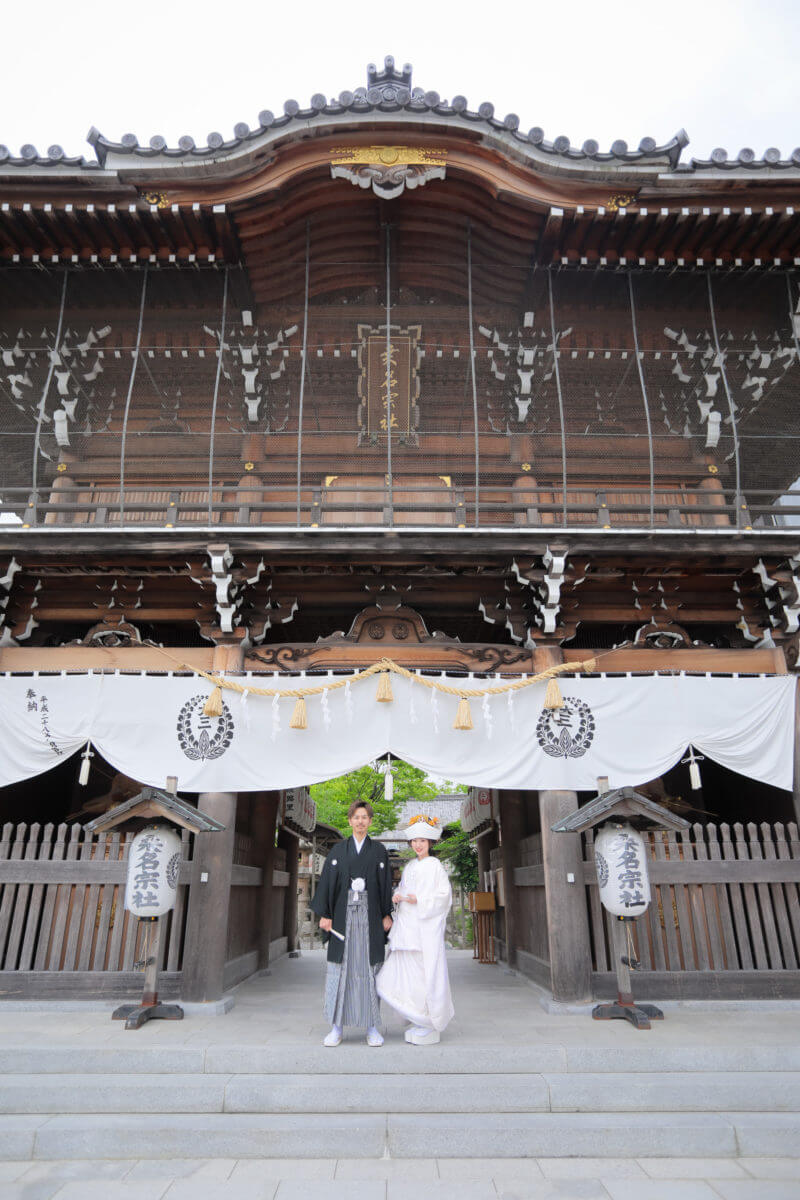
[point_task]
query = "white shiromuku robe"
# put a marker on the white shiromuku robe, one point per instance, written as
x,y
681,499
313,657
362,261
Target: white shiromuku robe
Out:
x,y
414,980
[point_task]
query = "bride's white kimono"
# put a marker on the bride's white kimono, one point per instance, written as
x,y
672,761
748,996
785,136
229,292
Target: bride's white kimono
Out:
x,y
413,980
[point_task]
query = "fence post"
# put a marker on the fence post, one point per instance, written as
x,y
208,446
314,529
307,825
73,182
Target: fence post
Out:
x,y
565,892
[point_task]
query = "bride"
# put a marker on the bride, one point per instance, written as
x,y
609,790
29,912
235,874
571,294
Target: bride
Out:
x,y
414,981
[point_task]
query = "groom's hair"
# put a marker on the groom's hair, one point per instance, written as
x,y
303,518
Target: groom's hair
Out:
x,y
360,804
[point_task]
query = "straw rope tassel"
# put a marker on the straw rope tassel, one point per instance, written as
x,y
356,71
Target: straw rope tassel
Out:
x,y
299,716
553,697
213,705
463,715
384,692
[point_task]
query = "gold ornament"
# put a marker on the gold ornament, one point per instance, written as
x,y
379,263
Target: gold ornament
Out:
x,y
390,156
620,200
158,199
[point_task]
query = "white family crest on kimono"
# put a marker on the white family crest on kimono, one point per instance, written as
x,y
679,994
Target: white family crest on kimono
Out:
x,y
414,979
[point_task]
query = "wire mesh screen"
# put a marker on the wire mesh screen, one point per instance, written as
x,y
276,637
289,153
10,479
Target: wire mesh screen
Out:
x,y
444,383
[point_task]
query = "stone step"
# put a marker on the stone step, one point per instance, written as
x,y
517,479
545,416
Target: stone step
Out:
x,y
400,1135
355,1058
723,1092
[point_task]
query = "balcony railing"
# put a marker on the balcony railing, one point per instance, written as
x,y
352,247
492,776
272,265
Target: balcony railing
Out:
x,y
364,503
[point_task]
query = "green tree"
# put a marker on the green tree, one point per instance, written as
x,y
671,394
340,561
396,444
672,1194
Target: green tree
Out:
x,y
456,849
334,797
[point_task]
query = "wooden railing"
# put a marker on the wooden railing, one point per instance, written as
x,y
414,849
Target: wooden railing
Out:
x,y
361,501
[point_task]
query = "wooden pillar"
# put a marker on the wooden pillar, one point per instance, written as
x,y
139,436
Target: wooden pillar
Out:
x,y
264,817
249,491
712,493
290,842
567,915
206,942
796,783
209,901
62,490
510,837
525,492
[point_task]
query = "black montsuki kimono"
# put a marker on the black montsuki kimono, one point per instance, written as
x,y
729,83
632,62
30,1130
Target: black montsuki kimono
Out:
x,y
343,865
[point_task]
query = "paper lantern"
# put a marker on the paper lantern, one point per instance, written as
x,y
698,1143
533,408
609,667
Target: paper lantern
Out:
x,y
476,808
153,867
620,857
300,809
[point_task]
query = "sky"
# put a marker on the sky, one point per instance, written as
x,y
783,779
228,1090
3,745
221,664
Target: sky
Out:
x,y
725,70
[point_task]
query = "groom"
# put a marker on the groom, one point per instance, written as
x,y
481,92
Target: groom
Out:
x,y
354,904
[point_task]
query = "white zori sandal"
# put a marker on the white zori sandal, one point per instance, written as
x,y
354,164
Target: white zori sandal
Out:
x,y
417,1036
334,1038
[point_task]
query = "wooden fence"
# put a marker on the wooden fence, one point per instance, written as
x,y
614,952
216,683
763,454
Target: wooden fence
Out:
x,y
63,926
64,930
724,918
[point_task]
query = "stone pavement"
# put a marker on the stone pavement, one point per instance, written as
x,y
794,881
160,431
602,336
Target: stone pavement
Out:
x,y
249,1104
405,1179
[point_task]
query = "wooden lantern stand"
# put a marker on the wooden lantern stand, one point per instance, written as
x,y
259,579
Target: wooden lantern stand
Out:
x,y
628,805
149,803
624,1008
150,1008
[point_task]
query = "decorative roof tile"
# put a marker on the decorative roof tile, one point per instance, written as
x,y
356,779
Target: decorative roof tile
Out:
x,y
390,91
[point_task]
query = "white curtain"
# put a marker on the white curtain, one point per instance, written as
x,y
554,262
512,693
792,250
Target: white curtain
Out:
x,y
629,728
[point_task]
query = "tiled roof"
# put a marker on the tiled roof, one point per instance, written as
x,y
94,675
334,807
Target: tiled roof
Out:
x,y
447,807
390,91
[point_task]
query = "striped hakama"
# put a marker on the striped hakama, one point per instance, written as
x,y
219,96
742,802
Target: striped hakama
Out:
x,y
351,997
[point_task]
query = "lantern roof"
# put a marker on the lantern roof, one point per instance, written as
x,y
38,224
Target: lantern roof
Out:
x,y
620,802
152,802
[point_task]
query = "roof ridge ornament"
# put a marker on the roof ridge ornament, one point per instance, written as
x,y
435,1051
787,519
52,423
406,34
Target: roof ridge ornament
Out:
x,y
389,84
388,170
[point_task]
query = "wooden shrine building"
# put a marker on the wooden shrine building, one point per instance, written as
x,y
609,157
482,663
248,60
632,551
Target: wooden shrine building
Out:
x,y
387,376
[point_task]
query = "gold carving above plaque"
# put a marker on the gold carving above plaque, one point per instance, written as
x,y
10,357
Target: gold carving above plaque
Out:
x,y
390,156
388,384
388,170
